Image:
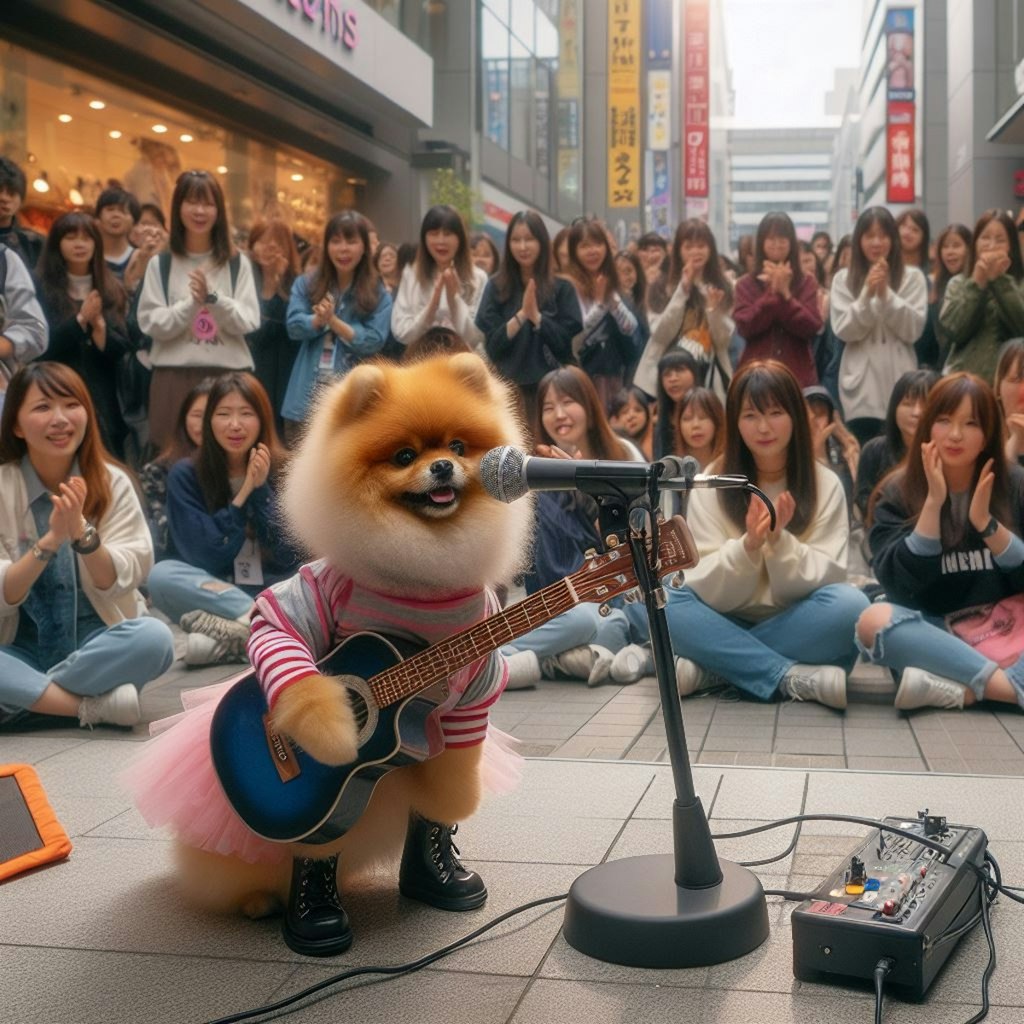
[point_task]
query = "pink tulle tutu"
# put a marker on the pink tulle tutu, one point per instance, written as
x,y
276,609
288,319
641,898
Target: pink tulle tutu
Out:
x,y
174,785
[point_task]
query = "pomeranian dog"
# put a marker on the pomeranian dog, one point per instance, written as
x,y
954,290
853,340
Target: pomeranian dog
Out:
x,y
385,493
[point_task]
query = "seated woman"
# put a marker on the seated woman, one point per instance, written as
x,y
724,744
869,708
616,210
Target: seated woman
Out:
x,y
767,610
580,643
631,417
222,514
74,548
947,538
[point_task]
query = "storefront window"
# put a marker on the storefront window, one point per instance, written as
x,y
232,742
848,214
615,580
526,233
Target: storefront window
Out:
x,y
74,134
494,50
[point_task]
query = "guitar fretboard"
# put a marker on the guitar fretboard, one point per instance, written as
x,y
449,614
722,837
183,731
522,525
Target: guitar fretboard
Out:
x,y
413,674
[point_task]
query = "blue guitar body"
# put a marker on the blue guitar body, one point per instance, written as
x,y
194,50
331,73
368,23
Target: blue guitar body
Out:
x,y
285,795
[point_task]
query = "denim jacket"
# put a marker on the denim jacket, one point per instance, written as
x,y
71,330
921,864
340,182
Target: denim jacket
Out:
x,y
370,334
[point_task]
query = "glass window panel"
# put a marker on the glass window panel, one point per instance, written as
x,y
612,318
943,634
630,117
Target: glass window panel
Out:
x,y
500,8
542,119
520,115
494,48
523,15
546,46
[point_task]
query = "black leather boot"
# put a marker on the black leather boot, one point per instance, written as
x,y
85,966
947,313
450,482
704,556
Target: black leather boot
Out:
x,y
315,923
431,871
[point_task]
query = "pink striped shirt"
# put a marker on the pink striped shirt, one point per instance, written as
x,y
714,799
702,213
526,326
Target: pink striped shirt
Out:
x,y
298,621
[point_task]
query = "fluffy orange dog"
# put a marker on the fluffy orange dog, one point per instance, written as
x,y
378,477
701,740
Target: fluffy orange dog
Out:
x,y
385,491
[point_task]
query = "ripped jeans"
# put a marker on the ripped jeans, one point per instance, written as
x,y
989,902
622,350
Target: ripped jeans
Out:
x,y
913,639
176,588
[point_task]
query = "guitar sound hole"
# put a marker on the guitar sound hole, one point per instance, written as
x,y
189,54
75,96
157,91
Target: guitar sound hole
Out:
x,y
359,708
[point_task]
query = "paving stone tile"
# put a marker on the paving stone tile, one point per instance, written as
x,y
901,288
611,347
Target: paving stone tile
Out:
x,y
887,743
743,794
31,748
809,761
598,728
491,835
716,741
946,764
809,745
543,732
717,757
1015,767
885,764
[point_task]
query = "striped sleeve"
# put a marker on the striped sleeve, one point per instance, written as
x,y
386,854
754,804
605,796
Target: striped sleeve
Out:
x,y
292,628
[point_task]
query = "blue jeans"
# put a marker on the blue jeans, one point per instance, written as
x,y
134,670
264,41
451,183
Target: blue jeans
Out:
x,y
581,624
135,651
922,641
177,587
819,630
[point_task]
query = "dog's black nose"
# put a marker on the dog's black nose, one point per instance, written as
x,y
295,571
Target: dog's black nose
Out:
x,y
442,469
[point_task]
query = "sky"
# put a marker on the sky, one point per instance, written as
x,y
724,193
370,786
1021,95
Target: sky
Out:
x,y
783,54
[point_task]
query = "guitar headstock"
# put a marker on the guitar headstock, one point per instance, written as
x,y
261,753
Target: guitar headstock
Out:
x,y
605,576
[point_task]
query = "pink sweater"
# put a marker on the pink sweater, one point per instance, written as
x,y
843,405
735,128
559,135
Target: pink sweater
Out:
x,y
298,621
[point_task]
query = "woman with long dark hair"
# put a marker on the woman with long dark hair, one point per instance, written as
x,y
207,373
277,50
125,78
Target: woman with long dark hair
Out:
x,y
339,313
946,538
527,315
74,549
222,514
915,242
442,287
776,308
878,312
984,304
691,311
85,308
197,304
608,346
275,266
768,610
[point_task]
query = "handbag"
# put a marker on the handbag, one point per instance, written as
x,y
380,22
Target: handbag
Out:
x,y
995,631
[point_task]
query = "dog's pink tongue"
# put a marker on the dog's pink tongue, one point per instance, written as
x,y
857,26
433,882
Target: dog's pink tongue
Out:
x,y
442,495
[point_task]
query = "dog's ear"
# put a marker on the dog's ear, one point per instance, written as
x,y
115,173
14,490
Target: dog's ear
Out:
x,y
361,389
473,372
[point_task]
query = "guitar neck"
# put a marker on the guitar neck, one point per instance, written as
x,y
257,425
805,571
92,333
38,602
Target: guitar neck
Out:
x,y
441,660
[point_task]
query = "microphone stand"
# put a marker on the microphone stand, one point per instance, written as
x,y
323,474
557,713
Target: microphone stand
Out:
x,y
688,908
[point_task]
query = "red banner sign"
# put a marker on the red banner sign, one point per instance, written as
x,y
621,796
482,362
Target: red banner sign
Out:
x,y
697,99
899,153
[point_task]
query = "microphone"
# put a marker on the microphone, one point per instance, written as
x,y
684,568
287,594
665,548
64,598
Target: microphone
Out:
x,y
507,474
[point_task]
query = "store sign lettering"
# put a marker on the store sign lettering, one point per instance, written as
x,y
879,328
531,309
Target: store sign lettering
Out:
x,y
339,24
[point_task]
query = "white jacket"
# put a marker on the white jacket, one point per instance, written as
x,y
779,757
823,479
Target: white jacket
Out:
x,y
878,338
757,586
409,320
123,531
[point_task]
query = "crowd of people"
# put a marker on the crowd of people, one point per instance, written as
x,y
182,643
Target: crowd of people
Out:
x,y
871,388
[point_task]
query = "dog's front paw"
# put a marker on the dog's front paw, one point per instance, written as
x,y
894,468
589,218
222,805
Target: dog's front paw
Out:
x,y
315,712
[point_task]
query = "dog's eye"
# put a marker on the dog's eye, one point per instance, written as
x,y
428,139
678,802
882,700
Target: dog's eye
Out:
x,y
405,456
457,446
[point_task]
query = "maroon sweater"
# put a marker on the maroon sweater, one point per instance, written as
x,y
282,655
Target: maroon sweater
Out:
x,y
778,328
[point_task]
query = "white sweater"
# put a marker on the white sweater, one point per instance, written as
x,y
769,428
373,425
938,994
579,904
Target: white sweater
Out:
x,y
123,531
409,320
170,323
759,585
878,338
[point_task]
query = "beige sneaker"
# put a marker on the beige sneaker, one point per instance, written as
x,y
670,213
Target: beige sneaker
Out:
x,y
523,670
631,663
215,626
201,649
691,678
825,684
921,689
119,706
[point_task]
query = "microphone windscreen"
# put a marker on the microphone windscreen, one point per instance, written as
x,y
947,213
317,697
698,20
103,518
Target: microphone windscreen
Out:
x,y
501,473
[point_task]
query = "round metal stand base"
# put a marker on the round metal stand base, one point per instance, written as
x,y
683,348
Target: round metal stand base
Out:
x,y
631,912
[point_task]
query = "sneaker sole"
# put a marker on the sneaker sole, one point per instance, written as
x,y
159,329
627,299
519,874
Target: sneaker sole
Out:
x,y
457,904
316,947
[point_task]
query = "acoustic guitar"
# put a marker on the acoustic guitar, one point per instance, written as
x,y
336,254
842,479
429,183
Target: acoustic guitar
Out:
x,y
285,795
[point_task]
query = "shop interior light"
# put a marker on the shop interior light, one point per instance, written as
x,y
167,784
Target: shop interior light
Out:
x,y
64,118
41,184
159,128
76,197
115,134
97,104
296,177
222,169
186,137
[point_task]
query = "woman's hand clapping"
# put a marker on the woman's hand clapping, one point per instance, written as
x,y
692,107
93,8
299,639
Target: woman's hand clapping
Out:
x,y
67,519
980,511
932,463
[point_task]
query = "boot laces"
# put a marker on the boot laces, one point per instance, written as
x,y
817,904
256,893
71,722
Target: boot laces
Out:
x,y
444,853
318,886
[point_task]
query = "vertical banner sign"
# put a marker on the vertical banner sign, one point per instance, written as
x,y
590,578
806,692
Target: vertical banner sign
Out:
x,y
900,130
696,102
569,87
624,103
659,89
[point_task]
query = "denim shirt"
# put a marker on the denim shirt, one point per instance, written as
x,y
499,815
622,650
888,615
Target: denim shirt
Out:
x,y
56,617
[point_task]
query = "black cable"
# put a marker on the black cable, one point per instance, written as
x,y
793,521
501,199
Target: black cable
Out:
x,y
788,894
785,853
882,969
395,970
990,967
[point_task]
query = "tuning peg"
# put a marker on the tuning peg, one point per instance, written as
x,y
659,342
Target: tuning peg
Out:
x,y
633,596
590,553
677,579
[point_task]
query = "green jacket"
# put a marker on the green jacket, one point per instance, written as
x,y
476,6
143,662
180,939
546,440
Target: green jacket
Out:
x,y
975,322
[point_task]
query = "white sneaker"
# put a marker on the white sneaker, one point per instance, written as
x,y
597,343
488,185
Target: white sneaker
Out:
x,y
119,706
691,678
523,670
825,684
201,649
921,689
633,662
215,626
574,663
601,670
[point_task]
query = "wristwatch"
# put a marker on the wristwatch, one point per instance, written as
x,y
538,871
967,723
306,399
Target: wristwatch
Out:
x,y
88,542
42,554
211,298
993,525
